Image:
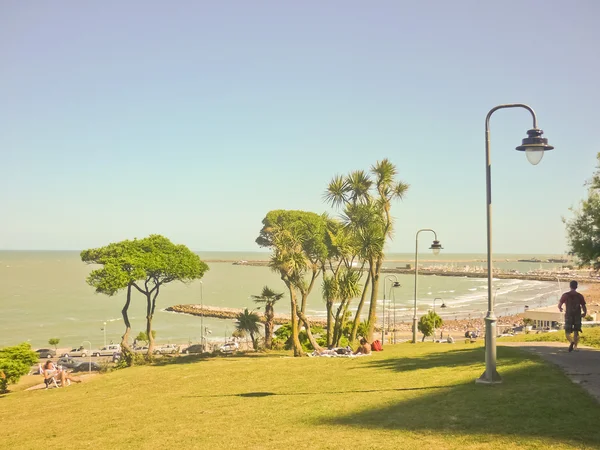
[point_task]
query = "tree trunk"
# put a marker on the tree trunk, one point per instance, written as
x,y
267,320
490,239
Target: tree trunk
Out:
x,y
126,349
330,322
253,340
311,338
269,315
149,326
297,347
337,328
373,305
359,309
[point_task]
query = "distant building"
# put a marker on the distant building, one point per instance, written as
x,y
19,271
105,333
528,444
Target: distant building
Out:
x,y
549,317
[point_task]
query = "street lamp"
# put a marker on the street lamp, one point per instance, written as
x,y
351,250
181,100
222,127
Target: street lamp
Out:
x,y
202,315
435,248
89,355
395,284
104,329
437,298
534,146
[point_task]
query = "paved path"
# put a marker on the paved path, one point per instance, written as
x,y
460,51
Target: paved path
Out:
x,y
582,366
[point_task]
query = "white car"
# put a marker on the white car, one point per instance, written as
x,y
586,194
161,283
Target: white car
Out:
x,y
109,350
166,349
74,352
229,347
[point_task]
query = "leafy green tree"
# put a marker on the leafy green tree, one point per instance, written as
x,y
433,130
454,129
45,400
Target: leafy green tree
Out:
x,y
14,363
248,321
366,201
146,265
297,239
143,336
428,323
269,297
583,230
54,342
121,267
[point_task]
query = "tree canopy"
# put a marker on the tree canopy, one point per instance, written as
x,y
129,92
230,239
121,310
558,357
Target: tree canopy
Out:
x,y
583,230
14,363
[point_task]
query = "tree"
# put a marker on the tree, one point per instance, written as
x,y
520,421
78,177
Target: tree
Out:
x,y
583,230
366,202
121,267
146,265
297,239
248,321
14,363
269,298
143,336
54,342
428,323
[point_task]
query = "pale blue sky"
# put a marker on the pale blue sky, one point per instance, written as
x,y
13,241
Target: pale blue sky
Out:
x,y
194,119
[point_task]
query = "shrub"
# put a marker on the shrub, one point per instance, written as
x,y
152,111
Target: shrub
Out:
x,y
14,363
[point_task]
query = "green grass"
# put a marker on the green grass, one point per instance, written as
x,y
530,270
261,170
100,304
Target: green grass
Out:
x,y
590,337
407,396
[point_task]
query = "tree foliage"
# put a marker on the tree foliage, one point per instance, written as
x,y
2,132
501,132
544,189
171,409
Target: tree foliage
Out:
x,y
14,363
428,323
54,342
583,230
268,297
365,200
248,322
146,265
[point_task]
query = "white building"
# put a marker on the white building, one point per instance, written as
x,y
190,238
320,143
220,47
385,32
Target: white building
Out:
x,y
549,317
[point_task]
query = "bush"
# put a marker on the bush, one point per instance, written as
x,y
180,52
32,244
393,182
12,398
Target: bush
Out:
x,y
14,363
589,318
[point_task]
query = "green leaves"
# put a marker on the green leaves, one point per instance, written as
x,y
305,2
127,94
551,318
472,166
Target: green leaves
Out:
x,y
14,363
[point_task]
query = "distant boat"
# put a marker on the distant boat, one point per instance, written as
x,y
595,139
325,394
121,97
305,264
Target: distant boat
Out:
x,y
558,260
532,260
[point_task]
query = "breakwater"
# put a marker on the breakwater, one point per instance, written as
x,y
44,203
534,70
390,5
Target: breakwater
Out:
x,y
469,272
232,313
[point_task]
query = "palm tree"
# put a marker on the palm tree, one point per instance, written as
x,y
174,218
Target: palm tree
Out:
x,y
269,298
367,215
248,321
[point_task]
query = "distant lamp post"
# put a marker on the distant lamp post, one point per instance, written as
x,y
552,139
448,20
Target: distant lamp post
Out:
x,y
435,248
202,315
395,284
104,329
437,298
534,146
89,355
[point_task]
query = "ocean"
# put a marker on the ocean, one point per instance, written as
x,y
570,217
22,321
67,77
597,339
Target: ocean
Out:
x,y
43,295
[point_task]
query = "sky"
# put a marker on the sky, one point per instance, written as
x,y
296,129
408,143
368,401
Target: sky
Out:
x,y
194,119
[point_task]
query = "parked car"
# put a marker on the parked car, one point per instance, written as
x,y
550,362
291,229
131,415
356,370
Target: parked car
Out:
x,y
109,350
166,349
229,347
77,365
196,348
76,352
46,353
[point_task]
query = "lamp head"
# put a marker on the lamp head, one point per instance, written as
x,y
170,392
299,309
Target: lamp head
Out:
x,y
396,284
534,146
436,247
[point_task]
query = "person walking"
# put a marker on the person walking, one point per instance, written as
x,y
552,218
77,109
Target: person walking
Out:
x,y
575,304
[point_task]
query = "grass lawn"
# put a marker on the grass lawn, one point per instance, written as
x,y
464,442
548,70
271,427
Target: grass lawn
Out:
x,y
590,337
408,396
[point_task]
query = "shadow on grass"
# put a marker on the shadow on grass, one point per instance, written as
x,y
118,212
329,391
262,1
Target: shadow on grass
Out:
x,y
348,391
534,400
194,358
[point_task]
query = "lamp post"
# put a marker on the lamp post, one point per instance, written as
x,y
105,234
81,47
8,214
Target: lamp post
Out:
x,y
437,298
395,284
202,315
89,355
104,329
534,146
435,247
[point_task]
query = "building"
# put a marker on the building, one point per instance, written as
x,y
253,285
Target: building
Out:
x,y
549,317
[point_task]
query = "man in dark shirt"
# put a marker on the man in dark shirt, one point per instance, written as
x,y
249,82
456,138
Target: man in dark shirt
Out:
x,y
575,304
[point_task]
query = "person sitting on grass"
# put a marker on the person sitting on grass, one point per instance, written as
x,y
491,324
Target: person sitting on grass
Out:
x,y
52,374
364,348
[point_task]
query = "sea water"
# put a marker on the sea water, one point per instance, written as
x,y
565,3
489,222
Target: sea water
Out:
x,y
43,295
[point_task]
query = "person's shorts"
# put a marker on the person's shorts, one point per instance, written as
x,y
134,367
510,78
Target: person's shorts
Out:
x,y
572,324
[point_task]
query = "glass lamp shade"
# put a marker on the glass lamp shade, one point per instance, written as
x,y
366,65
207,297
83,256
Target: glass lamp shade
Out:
x,y
534,146
534,155
436,247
